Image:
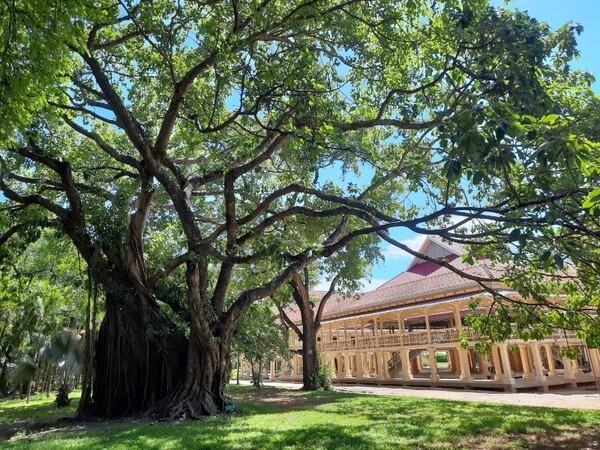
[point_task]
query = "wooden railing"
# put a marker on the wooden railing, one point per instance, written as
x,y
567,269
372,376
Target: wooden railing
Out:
x,y
424,338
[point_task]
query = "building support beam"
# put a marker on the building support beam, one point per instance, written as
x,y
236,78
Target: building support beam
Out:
x,y
527,374
507,378
550,358
497,364
405,361
465,369
433,368
483,364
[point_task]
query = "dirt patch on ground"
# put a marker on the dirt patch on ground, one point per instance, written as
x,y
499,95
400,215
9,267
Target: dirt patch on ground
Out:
x,y
583,398
586,439
282,398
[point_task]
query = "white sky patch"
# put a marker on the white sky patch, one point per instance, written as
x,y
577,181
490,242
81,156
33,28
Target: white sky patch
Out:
x,y
414,243
371,284
368,284
469,226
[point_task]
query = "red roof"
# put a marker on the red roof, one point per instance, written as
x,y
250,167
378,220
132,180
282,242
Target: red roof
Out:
x,y
421,282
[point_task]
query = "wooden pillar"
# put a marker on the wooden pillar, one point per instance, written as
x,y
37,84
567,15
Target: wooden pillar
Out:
x,y
400,320
508,378
339,372
594,361
359,365
427,325
576,369
434,377
380,365
405,362
385,358
454,361
550,358
497,364
538,365
347,366
483,364
465,369
457,318
525,362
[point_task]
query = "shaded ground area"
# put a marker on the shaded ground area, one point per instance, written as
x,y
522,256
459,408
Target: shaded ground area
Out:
x,y
275,418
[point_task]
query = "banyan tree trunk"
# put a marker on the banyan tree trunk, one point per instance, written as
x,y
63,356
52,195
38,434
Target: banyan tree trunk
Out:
x,y
140,356
202,392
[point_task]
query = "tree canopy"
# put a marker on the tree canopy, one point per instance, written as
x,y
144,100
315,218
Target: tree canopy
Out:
x,y
186,150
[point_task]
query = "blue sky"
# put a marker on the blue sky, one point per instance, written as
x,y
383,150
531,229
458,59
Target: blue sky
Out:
x,y
555,13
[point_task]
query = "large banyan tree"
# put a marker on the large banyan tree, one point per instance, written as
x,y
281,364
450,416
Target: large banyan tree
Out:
x,y
199,153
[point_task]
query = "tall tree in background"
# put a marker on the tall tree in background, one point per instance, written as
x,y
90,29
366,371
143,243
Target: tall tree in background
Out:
x,y
344,271
185,140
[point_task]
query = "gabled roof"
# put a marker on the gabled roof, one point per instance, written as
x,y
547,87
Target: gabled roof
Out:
x,y
421,282
436,248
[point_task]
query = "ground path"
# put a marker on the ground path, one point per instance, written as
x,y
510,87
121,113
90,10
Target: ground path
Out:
x,y
583,398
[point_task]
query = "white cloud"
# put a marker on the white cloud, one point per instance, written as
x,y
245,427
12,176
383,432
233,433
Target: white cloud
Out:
x,y
469,226
392,252
368,284
371,284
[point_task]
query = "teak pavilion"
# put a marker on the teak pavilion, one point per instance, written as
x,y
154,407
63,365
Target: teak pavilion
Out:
x,y
387,336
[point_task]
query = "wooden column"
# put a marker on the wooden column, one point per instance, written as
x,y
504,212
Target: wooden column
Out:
x,y
538,365
576,369
465,369
457,318
594,361
550,358
359,365
400,320
508,378
340,369
427,325
380,365
483,364
525,362
434,377
405,361
497,364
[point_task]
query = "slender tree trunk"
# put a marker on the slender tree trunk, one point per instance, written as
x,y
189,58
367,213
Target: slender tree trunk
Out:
x,y
85,404
310,359
38,378
4,378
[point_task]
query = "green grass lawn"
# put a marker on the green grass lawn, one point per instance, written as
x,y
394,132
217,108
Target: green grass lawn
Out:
x,y
280,419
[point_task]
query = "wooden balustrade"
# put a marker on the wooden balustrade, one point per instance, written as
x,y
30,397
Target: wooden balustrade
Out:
x,y
412,338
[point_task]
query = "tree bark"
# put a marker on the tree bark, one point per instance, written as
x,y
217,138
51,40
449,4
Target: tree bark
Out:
x,y
4,379
203,390
308,336
310,359
140,355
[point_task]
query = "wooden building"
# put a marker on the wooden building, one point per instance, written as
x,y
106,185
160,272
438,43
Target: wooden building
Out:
x,y
408,332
